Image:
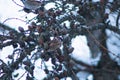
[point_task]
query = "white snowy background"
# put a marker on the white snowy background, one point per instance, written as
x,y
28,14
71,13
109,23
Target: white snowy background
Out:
x,y
8,9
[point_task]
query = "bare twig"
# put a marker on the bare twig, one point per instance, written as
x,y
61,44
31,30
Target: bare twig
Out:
x,y
17,3
117,20
22,75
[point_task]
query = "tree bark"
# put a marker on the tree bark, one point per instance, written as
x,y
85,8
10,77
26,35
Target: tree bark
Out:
x,y
107,67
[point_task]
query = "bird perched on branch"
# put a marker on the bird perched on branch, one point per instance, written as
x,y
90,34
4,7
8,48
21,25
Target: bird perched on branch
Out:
x,y
32,4
54,44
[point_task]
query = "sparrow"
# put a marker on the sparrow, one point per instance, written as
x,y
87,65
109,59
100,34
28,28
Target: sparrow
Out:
x,y
54,44
32,4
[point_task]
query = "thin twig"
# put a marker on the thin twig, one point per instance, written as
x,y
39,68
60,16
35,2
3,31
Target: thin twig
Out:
x,y
12,19
117,20
22,75
17,3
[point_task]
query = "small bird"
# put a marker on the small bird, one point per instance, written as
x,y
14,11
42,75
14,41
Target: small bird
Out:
x,y
54,44
32,4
